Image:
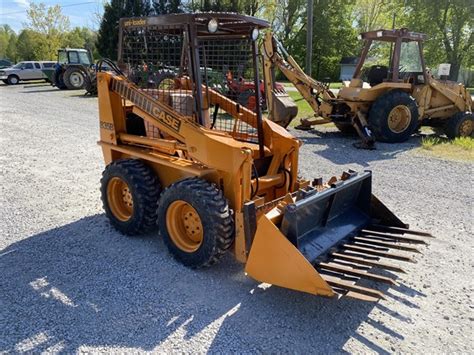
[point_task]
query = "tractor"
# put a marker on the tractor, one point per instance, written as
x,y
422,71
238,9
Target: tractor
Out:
x,y
382,102
210,176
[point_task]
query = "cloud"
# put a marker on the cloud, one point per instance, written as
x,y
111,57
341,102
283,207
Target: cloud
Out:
x,y
22,3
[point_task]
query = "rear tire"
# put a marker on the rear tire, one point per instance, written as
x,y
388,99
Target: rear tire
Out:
x,y
130,193
90,84
13,80
393,117
196,222
74,78
460,125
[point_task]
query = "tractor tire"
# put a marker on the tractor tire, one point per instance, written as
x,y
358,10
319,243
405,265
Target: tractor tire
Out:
x,y
460,125
346,129
195,222
74,78
130,191
162,79
13,80
90,84
393,117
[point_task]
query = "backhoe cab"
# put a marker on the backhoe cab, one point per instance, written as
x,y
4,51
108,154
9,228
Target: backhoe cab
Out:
x,y
212,175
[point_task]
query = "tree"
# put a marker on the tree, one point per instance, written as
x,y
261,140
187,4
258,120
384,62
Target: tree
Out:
x,y
107,38
50,24
449,25
11,48
5,34
26,45
162,7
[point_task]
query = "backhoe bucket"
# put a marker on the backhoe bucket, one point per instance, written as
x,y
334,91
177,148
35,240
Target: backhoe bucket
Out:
x,y
284,108
322,240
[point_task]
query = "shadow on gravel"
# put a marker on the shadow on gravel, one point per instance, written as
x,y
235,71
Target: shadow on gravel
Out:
x,y
38,91
339,149
85,286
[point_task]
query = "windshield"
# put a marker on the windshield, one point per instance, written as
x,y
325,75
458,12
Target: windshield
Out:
x,y
410,58
62,57
19,65
84,58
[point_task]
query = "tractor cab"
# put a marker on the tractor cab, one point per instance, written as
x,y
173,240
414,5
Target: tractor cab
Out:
x,y
389,57
74,56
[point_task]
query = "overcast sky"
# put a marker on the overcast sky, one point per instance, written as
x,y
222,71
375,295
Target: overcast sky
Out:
x,y
80,12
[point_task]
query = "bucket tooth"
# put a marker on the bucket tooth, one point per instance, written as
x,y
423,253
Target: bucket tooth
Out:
x,y
349,286
361,296
372,251
391,237
358,273
360,260
350,264
378,227
370,241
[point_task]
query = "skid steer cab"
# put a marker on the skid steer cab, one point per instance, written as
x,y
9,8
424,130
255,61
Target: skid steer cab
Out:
x,y
212,176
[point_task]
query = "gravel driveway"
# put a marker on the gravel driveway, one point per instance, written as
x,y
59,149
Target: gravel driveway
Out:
x,y
70,283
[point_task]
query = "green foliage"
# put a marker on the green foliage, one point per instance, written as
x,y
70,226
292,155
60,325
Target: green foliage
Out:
x,y
6,34
461,148
27,45
107,38
50,25
167,6
11,48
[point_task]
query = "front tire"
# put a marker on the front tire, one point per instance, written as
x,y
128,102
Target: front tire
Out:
x,y
196,222
460,125
130,191
13,80
393,117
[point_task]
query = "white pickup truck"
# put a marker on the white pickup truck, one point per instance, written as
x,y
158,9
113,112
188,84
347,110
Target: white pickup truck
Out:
x,y
30,70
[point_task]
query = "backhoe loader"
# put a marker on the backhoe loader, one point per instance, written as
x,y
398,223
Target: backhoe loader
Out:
x,y
211,175
395,101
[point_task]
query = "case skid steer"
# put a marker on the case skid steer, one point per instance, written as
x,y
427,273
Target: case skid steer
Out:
x,y
390,106
212,176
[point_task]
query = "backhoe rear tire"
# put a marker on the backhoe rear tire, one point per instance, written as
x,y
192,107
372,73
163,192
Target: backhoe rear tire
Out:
x,y
460,125
195,222
393,117
74,78
130,191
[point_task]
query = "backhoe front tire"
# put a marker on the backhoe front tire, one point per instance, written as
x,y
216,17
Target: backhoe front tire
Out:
x,y
130,191
393,117
195,222
460,125
74,78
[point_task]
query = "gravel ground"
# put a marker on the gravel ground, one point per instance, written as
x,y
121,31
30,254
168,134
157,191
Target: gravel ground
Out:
x,y
70,283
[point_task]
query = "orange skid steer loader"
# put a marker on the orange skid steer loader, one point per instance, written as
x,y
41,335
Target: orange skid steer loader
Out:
x,y
212,175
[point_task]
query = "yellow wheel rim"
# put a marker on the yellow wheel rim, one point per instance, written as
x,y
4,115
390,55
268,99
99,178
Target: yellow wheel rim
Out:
x,y
184,226
120,199
399,118
465,129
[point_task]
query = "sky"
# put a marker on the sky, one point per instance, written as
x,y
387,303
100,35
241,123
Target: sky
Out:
x,y
80,12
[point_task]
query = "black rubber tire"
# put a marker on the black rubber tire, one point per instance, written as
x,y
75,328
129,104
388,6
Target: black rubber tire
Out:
x,y
216,217
145,189
454,123
380,109
13,80
90,84
67,78
163,75
5,81
346,129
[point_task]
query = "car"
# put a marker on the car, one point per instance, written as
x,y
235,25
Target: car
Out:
x,y
24,71
5,63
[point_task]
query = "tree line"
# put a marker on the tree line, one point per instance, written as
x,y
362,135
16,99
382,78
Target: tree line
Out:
x,y
336,25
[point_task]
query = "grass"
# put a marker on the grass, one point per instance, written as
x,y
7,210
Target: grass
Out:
x,y
456,149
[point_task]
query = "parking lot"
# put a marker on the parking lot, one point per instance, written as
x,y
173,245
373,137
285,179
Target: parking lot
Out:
x,y
69,282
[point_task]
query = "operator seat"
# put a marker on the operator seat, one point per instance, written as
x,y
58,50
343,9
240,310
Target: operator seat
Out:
x,y
377,74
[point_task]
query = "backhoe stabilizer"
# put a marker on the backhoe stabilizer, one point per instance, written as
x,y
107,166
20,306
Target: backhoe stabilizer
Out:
x,y
325,239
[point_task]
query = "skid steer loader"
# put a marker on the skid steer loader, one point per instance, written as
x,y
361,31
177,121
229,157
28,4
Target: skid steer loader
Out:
x,y
390,106
211,175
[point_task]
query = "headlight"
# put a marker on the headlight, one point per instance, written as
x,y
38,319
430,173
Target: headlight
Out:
x,y
254,34
212,25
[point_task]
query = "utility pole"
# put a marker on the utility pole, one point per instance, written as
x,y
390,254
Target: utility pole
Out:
x,y
309,38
